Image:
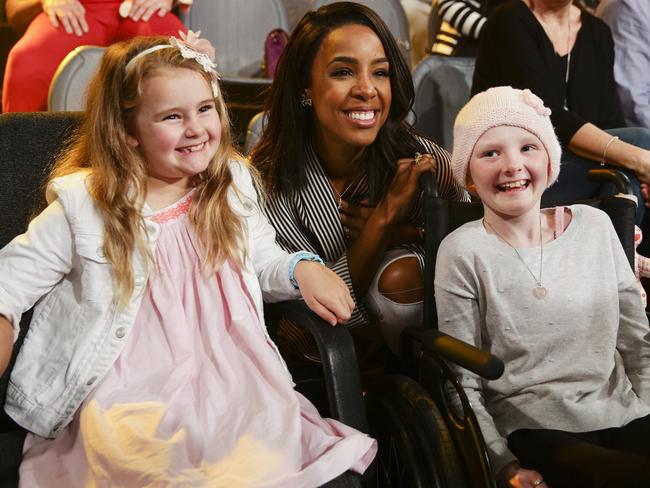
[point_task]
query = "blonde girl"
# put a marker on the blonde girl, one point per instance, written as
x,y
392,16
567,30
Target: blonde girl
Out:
x,y
147,362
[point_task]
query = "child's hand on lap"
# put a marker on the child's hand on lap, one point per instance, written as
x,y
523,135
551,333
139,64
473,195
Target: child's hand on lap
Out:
x,y
324,292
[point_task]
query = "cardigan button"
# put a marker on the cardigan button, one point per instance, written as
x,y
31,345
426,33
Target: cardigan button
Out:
x,y
91,380
119,333
100,252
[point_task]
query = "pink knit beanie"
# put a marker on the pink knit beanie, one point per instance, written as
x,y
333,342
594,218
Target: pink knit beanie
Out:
x,y
502,105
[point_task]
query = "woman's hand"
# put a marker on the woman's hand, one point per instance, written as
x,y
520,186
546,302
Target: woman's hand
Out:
x,y
355,217
144,9
70,13
324,292
6,343
405,186
512,475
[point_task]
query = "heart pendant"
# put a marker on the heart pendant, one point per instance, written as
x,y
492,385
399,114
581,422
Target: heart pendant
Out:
x,y
539,292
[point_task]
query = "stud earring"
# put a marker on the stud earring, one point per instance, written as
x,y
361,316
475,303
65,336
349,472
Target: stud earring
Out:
x,y
305,101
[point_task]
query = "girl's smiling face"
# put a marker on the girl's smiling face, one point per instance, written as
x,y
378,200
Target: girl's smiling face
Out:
x,y
509,171
176,125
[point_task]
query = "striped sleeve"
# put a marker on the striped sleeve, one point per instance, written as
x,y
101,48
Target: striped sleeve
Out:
x,y
449,188
464,15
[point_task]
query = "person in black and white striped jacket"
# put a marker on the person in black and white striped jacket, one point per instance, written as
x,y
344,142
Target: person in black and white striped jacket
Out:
x,y
461,26
338,160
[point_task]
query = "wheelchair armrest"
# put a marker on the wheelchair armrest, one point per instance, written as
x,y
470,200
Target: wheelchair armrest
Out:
x,y
618,178
339,360
461,353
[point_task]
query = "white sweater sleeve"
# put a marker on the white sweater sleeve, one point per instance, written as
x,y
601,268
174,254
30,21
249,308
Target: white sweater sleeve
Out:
x,y
459,316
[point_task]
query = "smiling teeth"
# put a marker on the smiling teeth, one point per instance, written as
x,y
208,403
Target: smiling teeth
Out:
x,y
198,147
513,184
362,115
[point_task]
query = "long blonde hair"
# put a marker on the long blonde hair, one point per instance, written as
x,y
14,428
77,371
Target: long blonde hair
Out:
x,y
117,181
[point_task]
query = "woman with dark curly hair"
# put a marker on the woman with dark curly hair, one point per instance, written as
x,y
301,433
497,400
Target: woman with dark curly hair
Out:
x,y
341,164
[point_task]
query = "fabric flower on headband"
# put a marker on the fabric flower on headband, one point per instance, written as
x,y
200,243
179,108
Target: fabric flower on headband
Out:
x,y
192,47
537,103
202,51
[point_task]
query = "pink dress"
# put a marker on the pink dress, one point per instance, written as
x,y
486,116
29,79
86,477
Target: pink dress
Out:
x,y
198,397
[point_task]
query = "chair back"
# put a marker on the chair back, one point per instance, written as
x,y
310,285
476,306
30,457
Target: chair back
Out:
x,y
254,133
28,145
392,13
238,29
442,86
68,86
435,21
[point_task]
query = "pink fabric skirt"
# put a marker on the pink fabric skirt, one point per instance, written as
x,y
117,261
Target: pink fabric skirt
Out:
x,y
198,397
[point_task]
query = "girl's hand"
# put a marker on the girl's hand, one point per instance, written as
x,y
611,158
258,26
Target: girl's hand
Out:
x,y
6,343
324,292
144,9
70,13
405,186
514,476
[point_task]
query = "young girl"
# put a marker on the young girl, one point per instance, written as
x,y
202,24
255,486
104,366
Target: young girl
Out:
x,y
147,362
552,293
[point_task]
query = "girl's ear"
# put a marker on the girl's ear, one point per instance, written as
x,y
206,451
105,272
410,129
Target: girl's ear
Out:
x,y
469,184
132,141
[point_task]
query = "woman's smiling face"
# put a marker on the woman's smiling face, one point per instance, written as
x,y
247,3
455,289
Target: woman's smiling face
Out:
x,y
350,88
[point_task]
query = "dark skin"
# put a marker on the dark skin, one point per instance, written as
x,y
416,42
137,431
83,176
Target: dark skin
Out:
x,y
377,229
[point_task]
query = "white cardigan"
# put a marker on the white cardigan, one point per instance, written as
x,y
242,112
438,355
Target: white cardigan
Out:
x,y
77,331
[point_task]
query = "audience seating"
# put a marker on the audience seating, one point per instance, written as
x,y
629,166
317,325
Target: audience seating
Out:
x,y
69,83
442,86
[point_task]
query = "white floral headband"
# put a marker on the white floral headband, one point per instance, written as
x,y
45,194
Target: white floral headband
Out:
x,y
191,47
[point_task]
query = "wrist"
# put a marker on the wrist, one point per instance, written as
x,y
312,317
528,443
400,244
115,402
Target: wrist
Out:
x,y
296,260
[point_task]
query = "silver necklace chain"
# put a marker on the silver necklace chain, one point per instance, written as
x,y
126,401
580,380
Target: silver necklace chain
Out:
x,y
339,196
541,254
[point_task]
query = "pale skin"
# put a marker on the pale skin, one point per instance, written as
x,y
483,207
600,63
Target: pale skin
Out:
x,y
509,170
589,141
351,78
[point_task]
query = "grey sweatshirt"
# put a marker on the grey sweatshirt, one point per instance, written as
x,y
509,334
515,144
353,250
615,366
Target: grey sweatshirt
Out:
x,y
578,360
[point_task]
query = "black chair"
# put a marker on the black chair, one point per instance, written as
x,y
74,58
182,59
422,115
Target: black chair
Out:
x,y
29,143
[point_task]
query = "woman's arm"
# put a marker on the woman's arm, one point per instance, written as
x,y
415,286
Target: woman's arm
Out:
x,y
367,251
590,142
463,16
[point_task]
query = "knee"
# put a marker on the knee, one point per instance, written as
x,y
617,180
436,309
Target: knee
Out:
x,y
401,281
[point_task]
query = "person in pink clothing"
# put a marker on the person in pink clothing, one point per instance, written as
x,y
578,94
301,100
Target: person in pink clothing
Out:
x,y
147,362
60,26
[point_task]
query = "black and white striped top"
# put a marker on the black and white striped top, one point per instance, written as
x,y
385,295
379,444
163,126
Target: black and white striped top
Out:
x,y
309,220
460,18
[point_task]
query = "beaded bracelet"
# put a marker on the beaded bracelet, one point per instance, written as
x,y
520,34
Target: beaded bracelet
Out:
x,y
301,256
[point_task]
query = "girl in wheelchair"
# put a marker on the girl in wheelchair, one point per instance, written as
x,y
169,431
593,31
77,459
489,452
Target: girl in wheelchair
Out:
x,y
552,293
147,362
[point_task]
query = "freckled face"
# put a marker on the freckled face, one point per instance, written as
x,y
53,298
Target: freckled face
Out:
x,y
176,126
350,88
508,170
